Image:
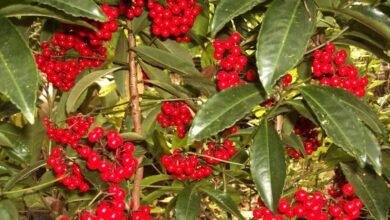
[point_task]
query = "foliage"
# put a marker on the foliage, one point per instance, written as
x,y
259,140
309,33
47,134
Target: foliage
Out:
x,y
233,146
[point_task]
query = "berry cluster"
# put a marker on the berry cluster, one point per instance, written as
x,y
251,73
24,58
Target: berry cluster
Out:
x,y
143,213
68,171
308,133
114,161
181,166
111,156
113,207
133,10
61,71
174,20
220,151
328,66
77,127
175,114
229,53
314,206
347,206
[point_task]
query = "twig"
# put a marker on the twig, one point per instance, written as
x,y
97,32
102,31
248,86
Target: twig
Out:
x,y
135,113
330,40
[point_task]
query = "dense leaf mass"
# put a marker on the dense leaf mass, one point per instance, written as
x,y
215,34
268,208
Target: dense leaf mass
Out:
x,y
194,109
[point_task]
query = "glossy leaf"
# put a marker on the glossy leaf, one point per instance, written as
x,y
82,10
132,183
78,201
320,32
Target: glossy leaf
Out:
x,y
372,17
223,200
5,168
24,10
226,10
338,120
294,141
188,204
82,85
154,179
23,174
205,86
373,150
283,37
363,111
365,46
201,24
370,188
174,90
386,163
8,210
8,134
86,8
33,136
121,77
93,177
140,23
267,165
164,59
15,83
334,155
174,48
302,108
224,109
19,152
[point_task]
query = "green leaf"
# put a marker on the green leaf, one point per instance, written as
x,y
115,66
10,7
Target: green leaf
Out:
x,y
188,204
371,17
223,200
201,24
303,109
24,10
18,82
370,188
205,86
140,23
8,134
386,163
174,48
363,111
338,120
174,90
93,177
132,136
86,8
365,45
294,141
82,85
373,150
20,153
224,109
8,210
7,169
226,10
283,37
122,76
334,155
16,146
23,174
147,181
267,165
33,136
164,59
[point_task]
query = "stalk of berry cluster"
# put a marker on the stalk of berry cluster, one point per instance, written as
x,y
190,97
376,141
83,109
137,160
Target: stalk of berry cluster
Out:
x,y
135,113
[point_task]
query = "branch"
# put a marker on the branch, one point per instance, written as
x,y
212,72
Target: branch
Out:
x,y
135,113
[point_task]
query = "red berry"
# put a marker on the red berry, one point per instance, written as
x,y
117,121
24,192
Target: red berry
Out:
x,y
348,189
